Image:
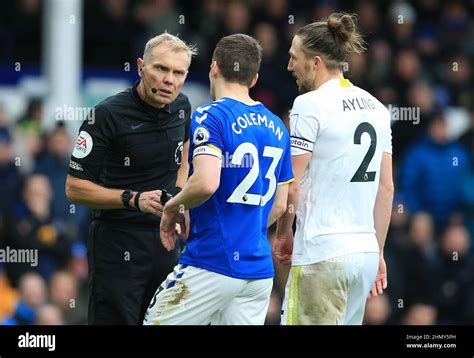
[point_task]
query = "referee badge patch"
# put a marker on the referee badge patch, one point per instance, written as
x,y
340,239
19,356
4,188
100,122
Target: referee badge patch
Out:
x,y
178,153
83,145
201,135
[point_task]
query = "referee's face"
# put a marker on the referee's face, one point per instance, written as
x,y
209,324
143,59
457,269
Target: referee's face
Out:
x,y
166,71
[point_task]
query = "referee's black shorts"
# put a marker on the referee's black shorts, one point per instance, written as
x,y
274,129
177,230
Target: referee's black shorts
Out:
x,y
126,267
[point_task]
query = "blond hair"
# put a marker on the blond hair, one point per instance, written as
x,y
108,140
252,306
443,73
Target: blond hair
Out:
x,y
173,41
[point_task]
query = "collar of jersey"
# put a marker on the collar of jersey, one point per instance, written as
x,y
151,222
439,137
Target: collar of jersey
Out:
x,y
147,106
246,104
341,82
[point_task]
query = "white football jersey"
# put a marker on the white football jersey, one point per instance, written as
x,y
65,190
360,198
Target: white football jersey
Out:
x,y
346,130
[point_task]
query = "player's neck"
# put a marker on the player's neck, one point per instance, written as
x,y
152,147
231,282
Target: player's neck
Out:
x,y
327,76
235,91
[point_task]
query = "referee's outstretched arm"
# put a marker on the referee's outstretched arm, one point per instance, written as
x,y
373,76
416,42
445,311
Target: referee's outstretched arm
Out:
x,y
82,191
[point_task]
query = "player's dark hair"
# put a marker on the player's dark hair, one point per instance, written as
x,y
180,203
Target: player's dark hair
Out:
x,y
238,57
333,39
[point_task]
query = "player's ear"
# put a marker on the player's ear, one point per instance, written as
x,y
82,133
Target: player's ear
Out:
x,y
317,62
254,80
214,69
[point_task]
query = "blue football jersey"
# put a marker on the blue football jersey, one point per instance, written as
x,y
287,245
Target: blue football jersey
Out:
x,y
228,233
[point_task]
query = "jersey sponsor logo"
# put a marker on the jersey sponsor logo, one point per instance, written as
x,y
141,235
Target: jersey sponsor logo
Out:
x,y
75,165
83,145
301,143
178,153
201,135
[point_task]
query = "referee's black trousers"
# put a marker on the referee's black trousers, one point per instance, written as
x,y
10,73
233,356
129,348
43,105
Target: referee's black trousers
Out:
x,y
126,267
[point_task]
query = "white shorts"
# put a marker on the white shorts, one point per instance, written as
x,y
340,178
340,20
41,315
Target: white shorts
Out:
x,y
331,292
194,296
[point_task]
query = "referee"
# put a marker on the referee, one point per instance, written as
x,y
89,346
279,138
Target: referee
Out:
x,y
130,148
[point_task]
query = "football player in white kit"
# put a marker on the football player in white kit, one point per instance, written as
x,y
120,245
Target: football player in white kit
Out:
x,y
343,188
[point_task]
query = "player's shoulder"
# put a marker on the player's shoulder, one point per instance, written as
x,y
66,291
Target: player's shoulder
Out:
x,y
213,109
379,106
116,101
110,110
312,101
305,99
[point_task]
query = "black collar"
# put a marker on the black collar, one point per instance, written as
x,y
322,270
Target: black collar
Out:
x,y
147,106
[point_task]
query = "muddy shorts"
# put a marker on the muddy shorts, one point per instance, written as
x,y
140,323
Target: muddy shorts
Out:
x,y
331,292
194,296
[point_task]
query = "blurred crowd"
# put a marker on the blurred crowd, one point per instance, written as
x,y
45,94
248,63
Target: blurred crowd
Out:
x,y
420,56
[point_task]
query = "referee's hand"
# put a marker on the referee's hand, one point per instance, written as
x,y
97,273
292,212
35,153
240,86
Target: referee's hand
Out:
x,y
150,202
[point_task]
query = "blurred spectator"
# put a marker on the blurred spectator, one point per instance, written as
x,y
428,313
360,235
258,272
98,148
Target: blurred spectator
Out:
x,y
455,25
23,44
64,293
30,225
31,122
237,18
403,18
377,311
467,198
33,294
357,68
275,12
419,261
49,315
379,71
430,175
428,46
459,80
420,314
369,18
78,264
407,71
413,265
455,275
467,139
9,174
54,163
111,38
8,294
27,136
158,16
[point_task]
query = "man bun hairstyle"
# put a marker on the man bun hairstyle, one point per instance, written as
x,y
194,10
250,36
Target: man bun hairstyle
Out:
x,y
333,39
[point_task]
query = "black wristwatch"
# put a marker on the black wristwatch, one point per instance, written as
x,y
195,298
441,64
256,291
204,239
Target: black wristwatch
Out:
x,y
165,196
126,196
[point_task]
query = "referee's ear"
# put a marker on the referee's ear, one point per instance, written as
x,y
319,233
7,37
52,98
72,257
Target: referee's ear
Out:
x,y
140,64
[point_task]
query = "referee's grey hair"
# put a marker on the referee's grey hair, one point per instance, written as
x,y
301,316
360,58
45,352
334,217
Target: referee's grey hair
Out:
x,y
173,41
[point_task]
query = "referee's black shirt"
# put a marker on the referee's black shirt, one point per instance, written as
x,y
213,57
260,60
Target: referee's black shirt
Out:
x,y
125,143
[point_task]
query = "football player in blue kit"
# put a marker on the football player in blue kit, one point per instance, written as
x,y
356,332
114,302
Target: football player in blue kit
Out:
x,y
240,167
